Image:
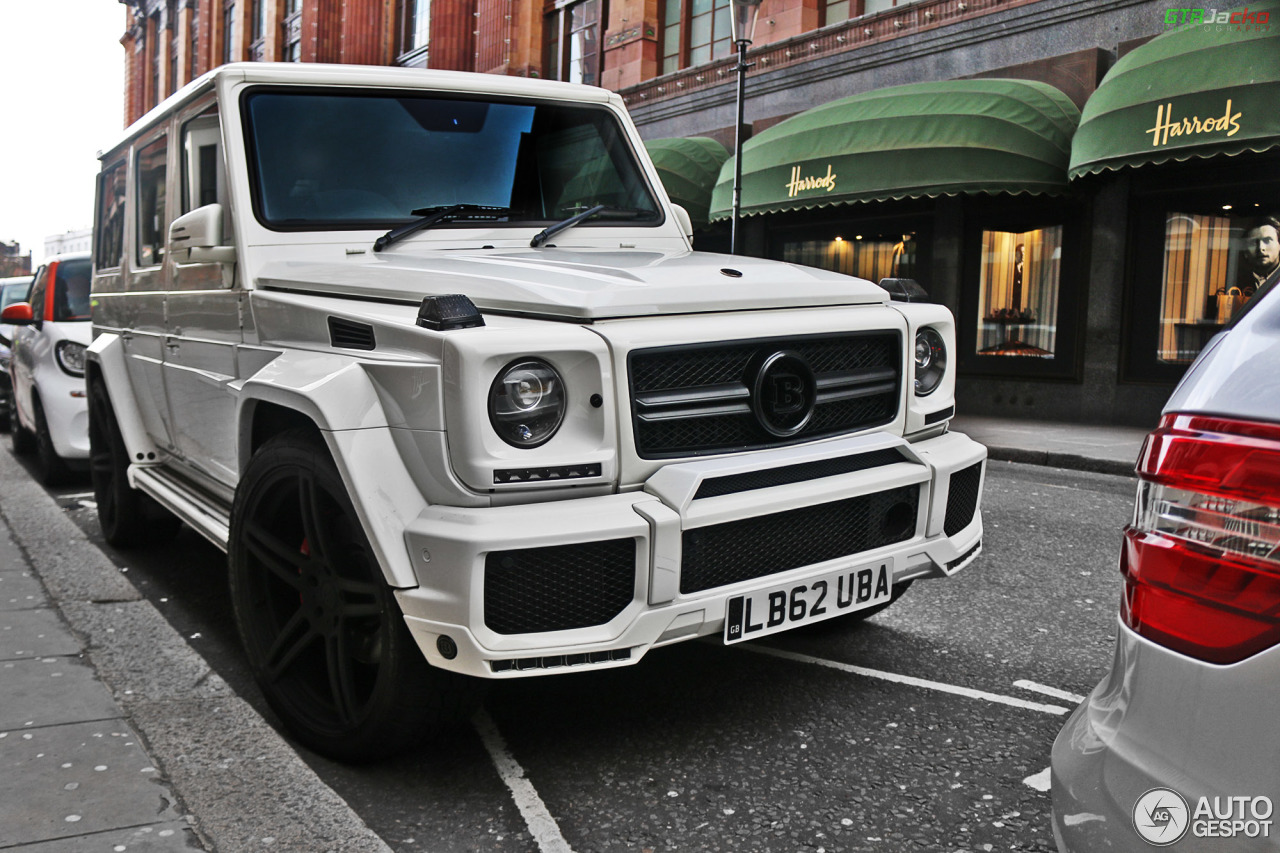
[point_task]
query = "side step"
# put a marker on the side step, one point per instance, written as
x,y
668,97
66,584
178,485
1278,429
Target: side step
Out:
x,y
207,515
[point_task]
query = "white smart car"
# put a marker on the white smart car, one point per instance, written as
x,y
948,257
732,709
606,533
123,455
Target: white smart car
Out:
x,y
48,409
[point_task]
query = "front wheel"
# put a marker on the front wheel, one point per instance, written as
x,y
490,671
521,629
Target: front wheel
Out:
x,y
53,468
128,517
321,629
24,442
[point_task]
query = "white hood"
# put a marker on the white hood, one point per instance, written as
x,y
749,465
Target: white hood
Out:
x,y
580,284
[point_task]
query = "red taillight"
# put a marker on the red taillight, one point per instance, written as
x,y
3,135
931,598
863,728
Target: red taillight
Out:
x,y
1201,560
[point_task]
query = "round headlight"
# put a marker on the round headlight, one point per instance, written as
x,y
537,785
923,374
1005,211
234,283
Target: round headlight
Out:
x,y
71,357
526,403
931,361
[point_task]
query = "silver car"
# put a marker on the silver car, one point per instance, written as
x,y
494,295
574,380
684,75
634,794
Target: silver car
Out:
x,y
1177,744
12,290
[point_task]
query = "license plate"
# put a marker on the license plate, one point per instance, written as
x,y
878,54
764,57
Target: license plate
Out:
x,y
768,611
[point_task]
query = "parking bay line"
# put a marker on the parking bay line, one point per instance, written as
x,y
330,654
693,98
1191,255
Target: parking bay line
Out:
x,y
909,679
1035,687
542,826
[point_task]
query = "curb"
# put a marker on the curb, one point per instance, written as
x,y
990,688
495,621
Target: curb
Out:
x,y
243,786
1069,461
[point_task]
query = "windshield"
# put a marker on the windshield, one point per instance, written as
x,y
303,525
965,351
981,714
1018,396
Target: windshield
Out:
x,y
15,292
326,161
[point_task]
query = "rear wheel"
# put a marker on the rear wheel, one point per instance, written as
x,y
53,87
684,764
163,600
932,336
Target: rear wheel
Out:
x,y
323,633
127,517
23,441
53,469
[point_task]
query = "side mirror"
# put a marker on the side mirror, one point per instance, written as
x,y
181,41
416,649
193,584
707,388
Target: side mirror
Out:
x,y
904,290
17,314
684,221
196,237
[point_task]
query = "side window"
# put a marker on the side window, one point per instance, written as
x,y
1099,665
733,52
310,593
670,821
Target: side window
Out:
x,y
202,174
109,229
71,291
151,173
38,288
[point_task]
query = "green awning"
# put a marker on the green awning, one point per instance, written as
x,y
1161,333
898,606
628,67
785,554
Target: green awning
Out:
x,y
914,141
688,169
1196,91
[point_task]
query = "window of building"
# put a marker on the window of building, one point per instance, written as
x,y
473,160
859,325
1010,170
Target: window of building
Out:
x,y
109,227
258,31
1197,255
413,26
1018,311
171,18
572,33
1018,283
228,25
151,170
154,31
694,32
293,31
193,49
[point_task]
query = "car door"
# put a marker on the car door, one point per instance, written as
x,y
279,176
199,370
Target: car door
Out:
x,y
202,329
26,347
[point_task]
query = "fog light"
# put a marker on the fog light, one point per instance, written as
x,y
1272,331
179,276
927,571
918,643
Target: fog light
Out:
x,y
447,648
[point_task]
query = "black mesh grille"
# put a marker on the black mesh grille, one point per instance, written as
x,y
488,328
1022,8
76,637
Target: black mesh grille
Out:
x,y
770,477
558,587
962,499
693,400
755,547
348,334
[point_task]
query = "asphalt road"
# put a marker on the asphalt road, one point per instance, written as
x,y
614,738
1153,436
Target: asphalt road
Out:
x,y
926,727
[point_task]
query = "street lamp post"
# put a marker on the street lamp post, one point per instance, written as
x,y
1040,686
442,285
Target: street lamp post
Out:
x,y
742,28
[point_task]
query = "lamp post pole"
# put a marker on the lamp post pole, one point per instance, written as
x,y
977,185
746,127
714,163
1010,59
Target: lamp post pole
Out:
x,y
743,25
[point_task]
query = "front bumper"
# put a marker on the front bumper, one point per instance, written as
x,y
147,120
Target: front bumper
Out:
x,y
597,582
1163,720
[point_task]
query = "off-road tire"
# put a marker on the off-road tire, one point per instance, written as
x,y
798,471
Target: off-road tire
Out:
x,y
321,628
128,518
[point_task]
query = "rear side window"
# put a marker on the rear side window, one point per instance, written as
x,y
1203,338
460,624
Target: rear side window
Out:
x,y
152,171
71,291
109,229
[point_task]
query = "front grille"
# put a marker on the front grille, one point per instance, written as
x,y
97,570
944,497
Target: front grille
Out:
x,y
702,399
558,587
723,554
962,498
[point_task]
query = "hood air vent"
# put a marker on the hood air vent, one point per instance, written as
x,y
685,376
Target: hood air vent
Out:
x,y
348,334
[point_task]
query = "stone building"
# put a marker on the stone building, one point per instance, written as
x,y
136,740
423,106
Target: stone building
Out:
x,y
12,261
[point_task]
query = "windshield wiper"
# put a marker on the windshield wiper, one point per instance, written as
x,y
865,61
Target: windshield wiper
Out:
x,y
434,215
622,212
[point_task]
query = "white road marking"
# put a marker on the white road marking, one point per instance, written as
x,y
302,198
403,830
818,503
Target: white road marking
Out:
x,y
76,497
1039,781
542,826
911,680
1064,695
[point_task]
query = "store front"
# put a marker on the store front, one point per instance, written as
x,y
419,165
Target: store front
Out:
x,y
1190,122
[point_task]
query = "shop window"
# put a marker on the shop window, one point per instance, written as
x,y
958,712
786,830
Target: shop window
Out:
x,y
572,46
1019,278
151,173
869,255
1200,241
1212,266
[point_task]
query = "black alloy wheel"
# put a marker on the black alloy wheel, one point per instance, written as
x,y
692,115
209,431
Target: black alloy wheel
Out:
x,y
320,626
128,518
53,469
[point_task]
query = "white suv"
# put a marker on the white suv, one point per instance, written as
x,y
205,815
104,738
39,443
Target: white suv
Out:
x,y
430,355
50,334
